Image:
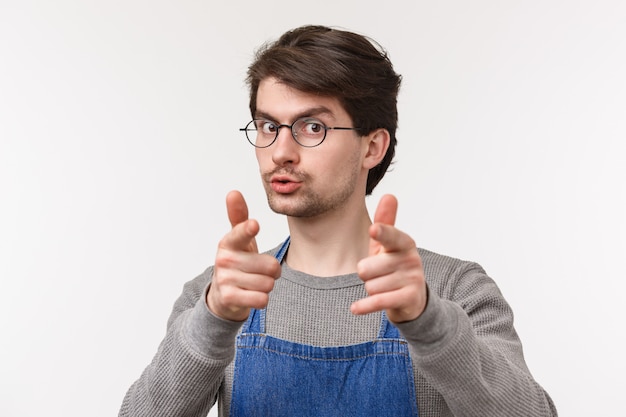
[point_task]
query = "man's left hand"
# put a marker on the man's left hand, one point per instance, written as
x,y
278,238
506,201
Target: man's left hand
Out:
x,y
393,271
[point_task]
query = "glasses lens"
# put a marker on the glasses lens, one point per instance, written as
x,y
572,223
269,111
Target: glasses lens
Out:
x,y
260,133
309,132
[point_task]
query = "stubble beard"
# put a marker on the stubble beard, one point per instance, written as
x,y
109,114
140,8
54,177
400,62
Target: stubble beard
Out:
x,y
307,202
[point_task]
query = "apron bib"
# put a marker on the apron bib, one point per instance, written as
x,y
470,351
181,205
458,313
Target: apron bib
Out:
x,y
275,377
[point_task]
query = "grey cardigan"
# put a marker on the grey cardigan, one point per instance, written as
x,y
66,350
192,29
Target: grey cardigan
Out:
x,y
467,358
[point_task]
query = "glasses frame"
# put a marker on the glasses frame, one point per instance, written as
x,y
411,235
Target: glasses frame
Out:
x,y
293,134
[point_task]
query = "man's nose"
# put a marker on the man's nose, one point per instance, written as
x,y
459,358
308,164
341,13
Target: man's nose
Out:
x,y
285,148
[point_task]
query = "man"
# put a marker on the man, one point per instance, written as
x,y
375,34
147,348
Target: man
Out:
x,y
346,317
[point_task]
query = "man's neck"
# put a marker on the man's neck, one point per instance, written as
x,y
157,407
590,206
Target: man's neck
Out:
x,y
331,244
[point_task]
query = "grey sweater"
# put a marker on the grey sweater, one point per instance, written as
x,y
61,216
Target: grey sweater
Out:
x,y
467,357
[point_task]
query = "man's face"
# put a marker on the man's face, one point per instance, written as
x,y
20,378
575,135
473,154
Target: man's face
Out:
x,y
308,182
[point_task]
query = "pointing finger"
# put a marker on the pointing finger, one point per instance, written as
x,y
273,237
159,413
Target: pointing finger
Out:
x,y
241,237
387,238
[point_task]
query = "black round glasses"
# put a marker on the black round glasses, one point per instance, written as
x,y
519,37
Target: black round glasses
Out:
x,y
306,131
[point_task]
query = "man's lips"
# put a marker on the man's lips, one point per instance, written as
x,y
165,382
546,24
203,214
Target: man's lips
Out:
x,y
284,184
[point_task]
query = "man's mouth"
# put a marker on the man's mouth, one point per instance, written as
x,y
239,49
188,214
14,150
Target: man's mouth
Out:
x,y
283,184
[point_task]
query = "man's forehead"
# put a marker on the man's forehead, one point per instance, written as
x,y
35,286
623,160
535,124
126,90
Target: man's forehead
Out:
x,y
276,99
319,111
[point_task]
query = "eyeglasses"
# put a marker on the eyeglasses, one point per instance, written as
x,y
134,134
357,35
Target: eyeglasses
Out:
x,y
306,131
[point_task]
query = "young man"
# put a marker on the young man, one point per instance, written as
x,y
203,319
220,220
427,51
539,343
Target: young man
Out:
x,y
346,317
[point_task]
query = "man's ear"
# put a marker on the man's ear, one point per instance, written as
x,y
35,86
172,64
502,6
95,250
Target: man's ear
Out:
x,y
377,143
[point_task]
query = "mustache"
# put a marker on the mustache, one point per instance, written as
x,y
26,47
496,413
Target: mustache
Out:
x,y
291,172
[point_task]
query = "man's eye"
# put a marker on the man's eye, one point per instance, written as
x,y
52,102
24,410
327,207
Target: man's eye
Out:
x,y
268,127
313,128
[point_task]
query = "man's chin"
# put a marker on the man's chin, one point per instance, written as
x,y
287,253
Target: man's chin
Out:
x,y
293,208
285,210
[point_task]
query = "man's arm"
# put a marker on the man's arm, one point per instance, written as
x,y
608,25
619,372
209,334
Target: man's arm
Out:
x,y
185,374
465,346
187,370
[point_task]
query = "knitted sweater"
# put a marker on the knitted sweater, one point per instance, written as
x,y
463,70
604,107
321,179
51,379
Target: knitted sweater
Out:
x,y
466,355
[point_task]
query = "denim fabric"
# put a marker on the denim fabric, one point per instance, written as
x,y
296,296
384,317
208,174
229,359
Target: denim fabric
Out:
x,y
275,377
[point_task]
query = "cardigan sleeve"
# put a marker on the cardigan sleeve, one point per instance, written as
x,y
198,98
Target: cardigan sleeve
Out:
x,y
464,344
185,374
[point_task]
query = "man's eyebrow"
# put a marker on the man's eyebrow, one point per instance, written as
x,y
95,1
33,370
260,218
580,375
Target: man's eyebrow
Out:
x,y
312,112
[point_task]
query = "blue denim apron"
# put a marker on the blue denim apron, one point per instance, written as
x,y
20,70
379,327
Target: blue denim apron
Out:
x,y
275,377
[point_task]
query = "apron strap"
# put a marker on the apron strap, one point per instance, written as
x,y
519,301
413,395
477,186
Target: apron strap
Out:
x,y
282,250
387,329
256,319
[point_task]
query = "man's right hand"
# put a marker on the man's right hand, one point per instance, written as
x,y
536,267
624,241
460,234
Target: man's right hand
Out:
x,y
242,278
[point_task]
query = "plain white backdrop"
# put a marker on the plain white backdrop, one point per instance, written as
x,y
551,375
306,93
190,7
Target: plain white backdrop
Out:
x,y
119,141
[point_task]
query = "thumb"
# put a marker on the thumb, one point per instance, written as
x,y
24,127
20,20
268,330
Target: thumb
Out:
x,y
237,210
386,212
236,207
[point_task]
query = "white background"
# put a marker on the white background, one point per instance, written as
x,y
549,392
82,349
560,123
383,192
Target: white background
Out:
x,y
119,141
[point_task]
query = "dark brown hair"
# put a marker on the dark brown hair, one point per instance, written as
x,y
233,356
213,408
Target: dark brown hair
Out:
x,y
336,63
